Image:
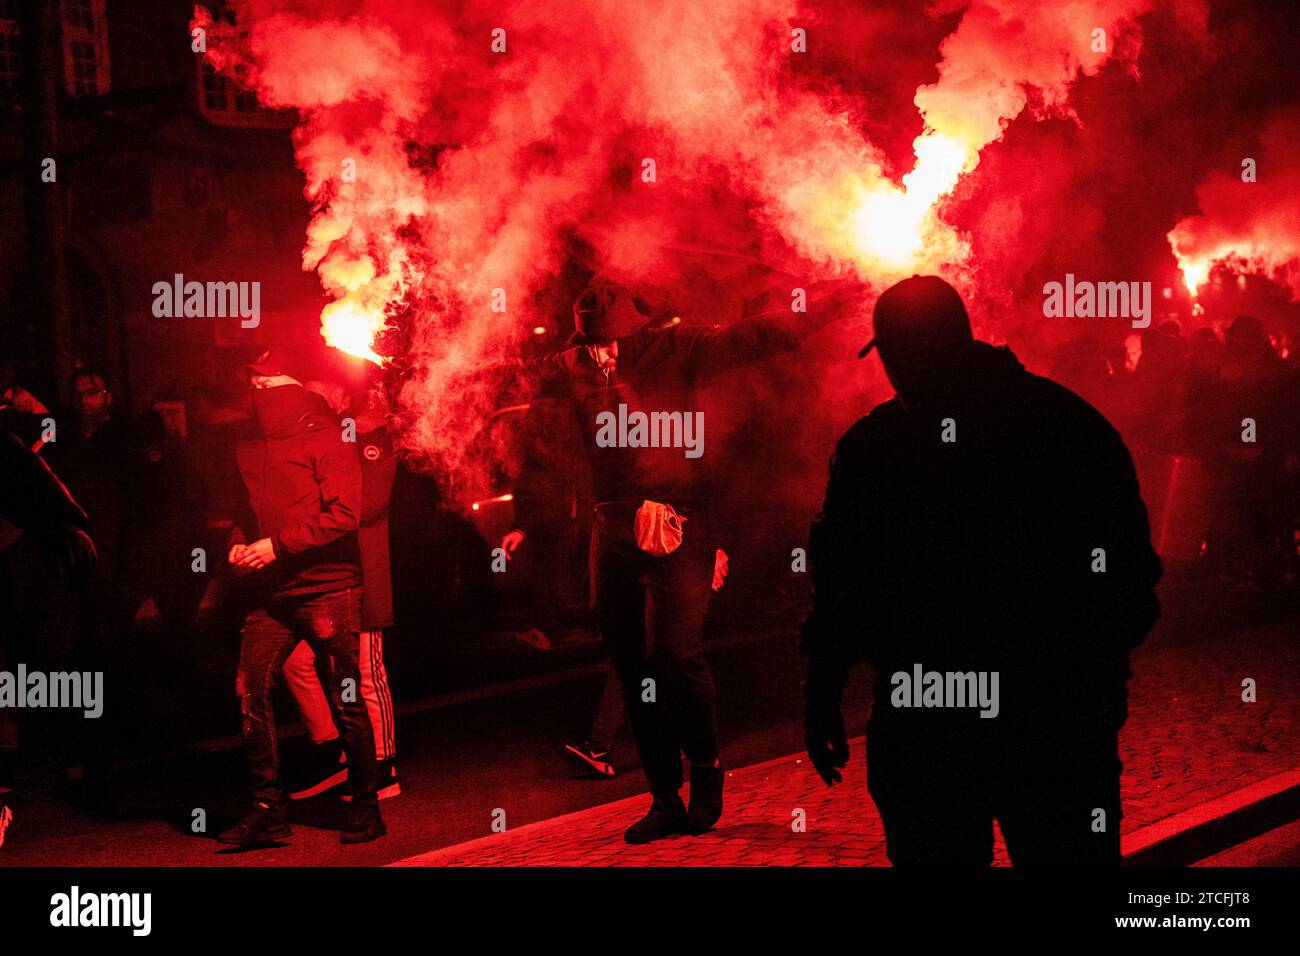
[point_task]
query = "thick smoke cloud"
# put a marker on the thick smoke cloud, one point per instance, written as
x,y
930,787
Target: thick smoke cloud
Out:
x,y
1250,224
522,171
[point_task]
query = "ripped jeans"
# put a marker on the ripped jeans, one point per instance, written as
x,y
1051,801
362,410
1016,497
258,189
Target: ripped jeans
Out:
x,y
331,624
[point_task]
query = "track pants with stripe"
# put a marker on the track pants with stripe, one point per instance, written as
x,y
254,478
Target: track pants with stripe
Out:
x,y
304,683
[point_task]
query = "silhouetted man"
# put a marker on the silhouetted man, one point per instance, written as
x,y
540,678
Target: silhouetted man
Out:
x,y
984,546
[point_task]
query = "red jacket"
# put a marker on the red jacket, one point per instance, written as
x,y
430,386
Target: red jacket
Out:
x,y
304,493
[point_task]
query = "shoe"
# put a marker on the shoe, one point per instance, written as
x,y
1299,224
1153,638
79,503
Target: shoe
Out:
x,y
263,824
706,799
326,767
389,785
363,825
6,818
666,818
594,759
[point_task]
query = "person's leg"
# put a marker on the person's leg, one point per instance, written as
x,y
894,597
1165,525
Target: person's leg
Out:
x,y
620,612
376,694
1060,806
609,715
677,601
935,812
332,623
304,684
265,644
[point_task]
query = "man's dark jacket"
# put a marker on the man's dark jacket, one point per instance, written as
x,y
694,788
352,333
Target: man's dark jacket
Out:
x,y
304,493
660,371
981,553
378,469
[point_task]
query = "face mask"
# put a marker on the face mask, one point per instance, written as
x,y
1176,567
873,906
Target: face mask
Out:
x,y
278,410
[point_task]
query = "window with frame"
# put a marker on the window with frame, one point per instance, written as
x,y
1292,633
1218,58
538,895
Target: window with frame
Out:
x,y
10,55
85,47
228,101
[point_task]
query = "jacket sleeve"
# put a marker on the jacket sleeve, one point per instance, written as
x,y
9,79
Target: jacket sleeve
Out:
x,y
31,496
1124,598
542,488
243,523
338,473
239,526
767,334
839,562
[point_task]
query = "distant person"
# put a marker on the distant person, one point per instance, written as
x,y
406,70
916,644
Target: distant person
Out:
x,y
984,523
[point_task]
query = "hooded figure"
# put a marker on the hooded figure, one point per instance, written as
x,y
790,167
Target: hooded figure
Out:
x,y
294,542
983,545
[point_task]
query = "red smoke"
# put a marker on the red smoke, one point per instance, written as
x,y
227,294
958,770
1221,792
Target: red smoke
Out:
x,y
1248,226
481,176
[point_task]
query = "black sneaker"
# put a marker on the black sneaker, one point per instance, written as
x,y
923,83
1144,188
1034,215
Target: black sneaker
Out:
x,y
706,799
263,824
389,785
666,818
325,768
594,759
363,825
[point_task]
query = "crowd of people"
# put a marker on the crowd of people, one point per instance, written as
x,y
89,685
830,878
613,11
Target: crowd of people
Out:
x,y
302,499
1226,408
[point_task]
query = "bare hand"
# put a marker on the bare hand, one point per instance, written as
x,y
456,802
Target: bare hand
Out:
x,y
24,401
256,555
511,541
719,569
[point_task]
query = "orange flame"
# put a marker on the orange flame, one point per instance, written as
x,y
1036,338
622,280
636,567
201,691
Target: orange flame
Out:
x,y
1195,272
351,327
889,230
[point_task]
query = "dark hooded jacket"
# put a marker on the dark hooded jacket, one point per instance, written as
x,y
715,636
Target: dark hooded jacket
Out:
x,y
982,553
303,485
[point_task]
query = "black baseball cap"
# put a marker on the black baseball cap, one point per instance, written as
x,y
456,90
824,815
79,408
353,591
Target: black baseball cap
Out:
x,y
922,310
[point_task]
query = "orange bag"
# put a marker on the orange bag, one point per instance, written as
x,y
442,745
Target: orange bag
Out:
x,y
658,528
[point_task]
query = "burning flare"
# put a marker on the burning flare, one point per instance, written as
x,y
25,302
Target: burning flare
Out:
x,y
350,327
891,225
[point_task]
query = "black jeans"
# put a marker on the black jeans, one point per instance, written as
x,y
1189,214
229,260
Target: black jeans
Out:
x,y
939,792
651,615
331,623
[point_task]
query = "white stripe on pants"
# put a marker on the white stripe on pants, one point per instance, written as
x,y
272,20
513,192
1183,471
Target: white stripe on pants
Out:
x,y
304,683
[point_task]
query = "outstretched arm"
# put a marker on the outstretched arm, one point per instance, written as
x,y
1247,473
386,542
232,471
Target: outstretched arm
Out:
x,y
773,332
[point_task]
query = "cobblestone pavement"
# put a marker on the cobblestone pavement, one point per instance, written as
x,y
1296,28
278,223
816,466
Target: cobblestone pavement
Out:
x,y
1189,739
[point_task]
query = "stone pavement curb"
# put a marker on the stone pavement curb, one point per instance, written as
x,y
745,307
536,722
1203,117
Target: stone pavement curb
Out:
x,y
1178,840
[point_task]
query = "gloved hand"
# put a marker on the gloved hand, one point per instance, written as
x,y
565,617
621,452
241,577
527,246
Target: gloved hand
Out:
x,y
828,747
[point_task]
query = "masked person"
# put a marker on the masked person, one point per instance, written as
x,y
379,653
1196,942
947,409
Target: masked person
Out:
x,y
985,523
326,766
653,554
295,540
